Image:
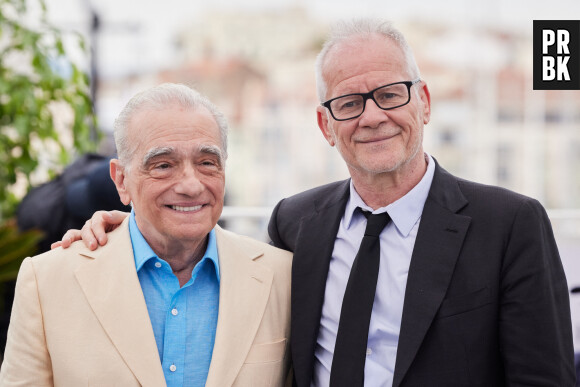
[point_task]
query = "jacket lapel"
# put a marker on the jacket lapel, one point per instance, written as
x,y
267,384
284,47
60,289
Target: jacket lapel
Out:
x,y
439,240
314,247
244,291
112,289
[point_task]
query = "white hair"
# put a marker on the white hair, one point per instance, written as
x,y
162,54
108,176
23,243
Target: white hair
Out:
x,y
157,98
366,27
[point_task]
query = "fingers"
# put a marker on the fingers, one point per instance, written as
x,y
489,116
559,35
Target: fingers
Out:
x,y
88,237
67,239
115,217
55,245
95,230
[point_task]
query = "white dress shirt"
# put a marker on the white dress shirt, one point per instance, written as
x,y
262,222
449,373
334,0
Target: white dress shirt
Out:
x,y
397,242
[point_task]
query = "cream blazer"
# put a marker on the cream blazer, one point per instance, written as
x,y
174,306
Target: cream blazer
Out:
x,y
80,319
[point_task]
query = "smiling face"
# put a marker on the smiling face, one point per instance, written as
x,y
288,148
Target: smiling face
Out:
x,y
176,179
379,141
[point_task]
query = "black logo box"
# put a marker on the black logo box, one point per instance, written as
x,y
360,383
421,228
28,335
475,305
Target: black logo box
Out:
x,y
573,64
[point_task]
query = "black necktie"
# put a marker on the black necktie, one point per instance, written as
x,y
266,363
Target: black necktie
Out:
x,y
350,350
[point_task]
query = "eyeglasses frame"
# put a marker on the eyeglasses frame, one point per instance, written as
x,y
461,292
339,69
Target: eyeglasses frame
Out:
x,y
369,95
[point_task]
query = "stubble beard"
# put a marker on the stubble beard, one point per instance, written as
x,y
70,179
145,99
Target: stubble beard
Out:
x,y
400,164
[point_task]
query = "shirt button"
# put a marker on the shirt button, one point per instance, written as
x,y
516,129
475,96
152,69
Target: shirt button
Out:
x,y
369,351
158,264
174,312
172,368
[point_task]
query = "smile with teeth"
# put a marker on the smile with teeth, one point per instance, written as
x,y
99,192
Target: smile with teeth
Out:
x,y
186,209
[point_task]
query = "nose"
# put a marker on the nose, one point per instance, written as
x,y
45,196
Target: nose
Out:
x,y
373,116
188,182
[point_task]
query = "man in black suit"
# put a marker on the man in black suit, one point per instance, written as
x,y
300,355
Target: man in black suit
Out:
x,y
470,288
470,291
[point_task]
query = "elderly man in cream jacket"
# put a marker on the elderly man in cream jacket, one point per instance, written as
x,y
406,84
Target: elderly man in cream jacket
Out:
x,y
172,299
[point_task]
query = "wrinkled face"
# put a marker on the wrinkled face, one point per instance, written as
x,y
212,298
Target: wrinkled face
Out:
x,y
176,179
379,141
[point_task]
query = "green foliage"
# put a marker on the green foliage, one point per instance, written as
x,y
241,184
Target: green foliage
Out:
x,y
14,247
33,94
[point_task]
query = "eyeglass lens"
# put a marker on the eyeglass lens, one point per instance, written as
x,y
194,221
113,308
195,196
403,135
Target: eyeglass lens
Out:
x,y
387,97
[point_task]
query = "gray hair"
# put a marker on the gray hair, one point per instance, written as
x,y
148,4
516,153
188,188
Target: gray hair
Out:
x,y
160,97
365,27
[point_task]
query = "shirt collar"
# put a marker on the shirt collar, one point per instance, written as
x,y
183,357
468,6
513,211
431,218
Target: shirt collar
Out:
x,y
142,252
404,212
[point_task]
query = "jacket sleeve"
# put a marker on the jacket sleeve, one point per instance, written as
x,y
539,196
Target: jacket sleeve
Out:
x,y
534,321
26,358
273,229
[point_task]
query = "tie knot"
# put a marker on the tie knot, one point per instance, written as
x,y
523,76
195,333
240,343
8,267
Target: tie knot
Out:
x,y
376,223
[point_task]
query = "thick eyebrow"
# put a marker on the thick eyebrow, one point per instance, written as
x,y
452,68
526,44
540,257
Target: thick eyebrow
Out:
x,y
212,150
155,152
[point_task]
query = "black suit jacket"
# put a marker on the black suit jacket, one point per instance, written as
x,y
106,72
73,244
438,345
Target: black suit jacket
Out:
x,y
486,301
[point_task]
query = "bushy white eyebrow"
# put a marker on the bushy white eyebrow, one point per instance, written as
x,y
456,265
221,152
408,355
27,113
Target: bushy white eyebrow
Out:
x,y
168,150
212,150
157,151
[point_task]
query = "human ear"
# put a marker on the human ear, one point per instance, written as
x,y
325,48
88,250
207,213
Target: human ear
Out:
x,y
322,118
425,97
118,174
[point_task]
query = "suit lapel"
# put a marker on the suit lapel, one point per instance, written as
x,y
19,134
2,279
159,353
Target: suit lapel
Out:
x,y
439,240
112,289
244,291
314,247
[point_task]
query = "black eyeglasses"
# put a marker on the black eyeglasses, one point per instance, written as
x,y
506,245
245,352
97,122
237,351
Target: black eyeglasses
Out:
x,y
387,97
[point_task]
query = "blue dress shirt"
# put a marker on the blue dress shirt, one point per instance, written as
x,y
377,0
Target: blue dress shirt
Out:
x,y
397,241
184,319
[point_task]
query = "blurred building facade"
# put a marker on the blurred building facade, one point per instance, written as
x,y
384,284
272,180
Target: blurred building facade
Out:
x,y
488,124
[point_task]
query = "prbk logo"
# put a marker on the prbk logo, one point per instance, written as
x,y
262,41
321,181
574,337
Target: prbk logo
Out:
x,y
556,54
